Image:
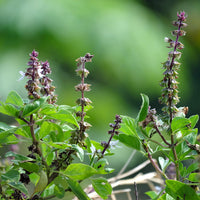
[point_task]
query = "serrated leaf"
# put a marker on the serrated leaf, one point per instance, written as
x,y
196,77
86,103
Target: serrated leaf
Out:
x,y
79,151
179,189
77,190
144,108
79,171
128,125
15,99
102,187
130,141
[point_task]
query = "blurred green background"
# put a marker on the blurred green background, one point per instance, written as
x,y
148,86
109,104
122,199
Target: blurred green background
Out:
x,y
127,40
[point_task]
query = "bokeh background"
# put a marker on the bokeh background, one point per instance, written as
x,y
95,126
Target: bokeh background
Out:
x,y
127,40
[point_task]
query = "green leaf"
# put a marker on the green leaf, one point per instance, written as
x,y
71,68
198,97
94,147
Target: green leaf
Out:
x,y
102,187
130,141
19,186
128,125
151,194
79,151
24,131
5,134
18,157
182,190
179,123
77,190
9,109
31,108
193,120
194,177
166,197
52,129
144,108
11,175
163,163
30,167
192,167
79,171
64,115
14,98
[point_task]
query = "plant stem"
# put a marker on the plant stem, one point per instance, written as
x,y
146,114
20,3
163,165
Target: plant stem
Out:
x,y
158,131
36,143
175,157
152,161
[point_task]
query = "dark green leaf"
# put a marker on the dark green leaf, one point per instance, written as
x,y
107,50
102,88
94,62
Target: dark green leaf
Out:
x,y
14,98
11,175
102,187
77,190
130,141
79,152
144,108
19,186
30,167
79,171
18,157
59,191
128,125
182,190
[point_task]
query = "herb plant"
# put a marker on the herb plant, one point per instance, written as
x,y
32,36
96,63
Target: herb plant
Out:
x,y
57,136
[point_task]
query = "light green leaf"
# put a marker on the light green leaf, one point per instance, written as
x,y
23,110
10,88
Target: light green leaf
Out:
x,y
151,194
77,190
130,141
194,177
128,125
9,109
144,108
14,98
163,163
64,115
182,190
179,123
193,120
31,108
79,171
7,133
102,187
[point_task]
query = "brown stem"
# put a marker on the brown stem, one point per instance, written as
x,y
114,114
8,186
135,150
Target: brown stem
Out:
x,y
152,161
158,131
